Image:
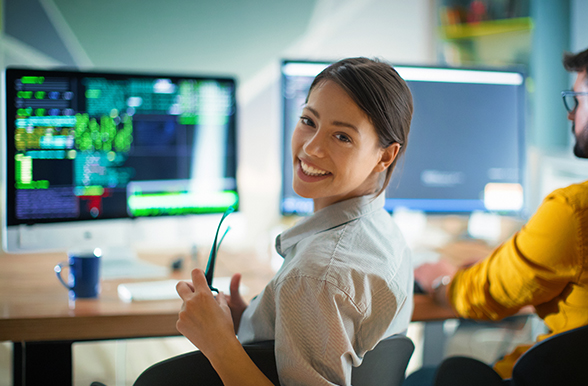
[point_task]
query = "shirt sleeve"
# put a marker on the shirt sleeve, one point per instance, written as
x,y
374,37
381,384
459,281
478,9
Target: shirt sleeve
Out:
x,y
531,268
316,324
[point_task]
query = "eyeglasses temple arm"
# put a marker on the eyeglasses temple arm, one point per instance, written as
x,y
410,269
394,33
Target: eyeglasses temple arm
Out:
x,y
212,261
209,273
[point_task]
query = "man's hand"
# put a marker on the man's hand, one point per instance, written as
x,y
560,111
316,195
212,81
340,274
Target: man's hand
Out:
x,y
427,273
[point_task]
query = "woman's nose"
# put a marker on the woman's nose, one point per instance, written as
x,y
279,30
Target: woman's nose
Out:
x,y
315,145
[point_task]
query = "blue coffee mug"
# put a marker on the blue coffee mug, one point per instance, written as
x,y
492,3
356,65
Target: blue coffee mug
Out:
x,y
84,275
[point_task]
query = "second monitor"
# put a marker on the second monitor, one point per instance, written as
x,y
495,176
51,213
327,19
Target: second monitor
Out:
x,y
466,146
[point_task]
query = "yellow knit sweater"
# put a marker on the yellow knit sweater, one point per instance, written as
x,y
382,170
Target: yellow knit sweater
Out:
x,y
544,265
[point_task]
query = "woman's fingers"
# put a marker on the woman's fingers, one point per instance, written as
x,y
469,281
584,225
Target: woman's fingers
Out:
x,y
235,283
184,289
199,280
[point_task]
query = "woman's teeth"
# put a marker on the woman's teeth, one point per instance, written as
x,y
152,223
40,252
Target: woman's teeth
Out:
x,y
311,171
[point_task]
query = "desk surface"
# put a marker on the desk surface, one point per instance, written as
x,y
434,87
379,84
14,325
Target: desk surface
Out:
x,y
34,306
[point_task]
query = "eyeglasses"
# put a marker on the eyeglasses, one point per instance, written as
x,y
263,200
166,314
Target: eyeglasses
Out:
x,y
570,101
213,251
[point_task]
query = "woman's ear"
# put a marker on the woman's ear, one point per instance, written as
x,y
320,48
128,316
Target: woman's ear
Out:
x,y
388,156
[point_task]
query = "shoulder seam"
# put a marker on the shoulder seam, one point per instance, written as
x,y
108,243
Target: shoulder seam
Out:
x,y
327,282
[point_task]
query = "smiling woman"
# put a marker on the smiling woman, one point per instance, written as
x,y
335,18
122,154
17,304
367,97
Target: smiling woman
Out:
x,y
346,281
337,153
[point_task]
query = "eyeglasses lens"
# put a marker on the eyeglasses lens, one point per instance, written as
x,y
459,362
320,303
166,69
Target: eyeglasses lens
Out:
x,y
571,102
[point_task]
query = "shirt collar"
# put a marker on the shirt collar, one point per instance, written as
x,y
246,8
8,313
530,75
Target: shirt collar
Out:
x,y
327,218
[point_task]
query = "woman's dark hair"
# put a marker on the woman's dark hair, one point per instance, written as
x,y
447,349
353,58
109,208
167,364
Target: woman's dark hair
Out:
x,y
381,93
576,62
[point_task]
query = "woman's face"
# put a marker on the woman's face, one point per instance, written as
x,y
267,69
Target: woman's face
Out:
x,y
335,149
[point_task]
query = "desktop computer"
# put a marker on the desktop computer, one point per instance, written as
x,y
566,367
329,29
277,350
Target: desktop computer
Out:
x,y
89,155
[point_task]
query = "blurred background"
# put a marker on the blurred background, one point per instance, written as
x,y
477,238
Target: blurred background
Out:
x,y
248,40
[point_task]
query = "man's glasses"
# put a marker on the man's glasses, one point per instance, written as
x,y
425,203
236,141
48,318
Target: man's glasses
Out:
x,y
570,101
215,247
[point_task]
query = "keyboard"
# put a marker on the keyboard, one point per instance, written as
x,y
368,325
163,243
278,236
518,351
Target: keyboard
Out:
x,y
165,289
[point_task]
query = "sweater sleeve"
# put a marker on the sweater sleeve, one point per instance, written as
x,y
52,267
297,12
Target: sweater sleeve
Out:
x,y
531,268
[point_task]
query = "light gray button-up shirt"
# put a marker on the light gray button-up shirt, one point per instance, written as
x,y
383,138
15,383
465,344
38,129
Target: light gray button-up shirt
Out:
x,y
345,284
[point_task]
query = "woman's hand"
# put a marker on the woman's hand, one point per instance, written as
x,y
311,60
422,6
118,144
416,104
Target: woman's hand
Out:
x,y
235,301
204,319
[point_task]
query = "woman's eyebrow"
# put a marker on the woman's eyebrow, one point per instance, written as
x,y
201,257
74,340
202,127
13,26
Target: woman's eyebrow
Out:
x,y
345,124
335,123
307,107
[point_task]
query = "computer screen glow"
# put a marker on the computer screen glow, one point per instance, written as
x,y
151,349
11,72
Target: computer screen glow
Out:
x,y
84,146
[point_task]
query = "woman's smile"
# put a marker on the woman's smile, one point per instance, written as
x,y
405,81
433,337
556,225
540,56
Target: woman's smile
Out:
x,y
310,173
310,170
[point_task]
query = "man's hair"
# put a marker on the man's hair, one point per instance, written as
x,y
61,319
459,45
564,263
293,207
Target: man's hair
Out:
x,y
576,62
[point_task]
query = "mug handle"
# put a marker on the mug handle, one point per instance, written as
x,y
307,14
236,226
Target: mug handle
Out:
x,y
58,268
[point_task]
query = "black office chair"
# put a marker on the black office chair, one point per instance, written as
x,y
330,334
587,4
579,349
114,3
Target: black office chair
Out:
x,y
561,359
385,365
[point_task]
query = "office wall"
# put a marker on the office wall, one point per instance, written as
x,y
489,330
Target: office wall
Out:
x,y
553,165
579,35
246,39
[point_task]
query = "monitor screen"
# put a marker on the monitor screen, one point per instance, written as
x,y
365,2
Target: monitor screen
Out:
x,y
465,149
82,147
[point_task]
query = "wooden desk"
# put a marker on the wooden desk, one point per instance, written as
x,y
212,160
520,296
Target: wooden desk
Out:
x,y
427,310
37,315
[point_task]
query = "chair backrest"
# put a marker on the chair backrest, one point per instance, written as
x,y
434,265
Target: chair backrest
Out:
x,y
385,365
561,359
194,369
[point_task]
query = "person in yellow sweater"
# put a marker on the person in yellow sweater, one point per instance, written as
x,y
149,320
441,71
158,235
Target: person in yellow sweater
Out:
x,y
544,265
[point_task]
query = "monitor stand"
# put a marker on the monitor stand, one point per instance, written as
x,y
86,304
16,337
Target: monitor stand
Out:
x,y
123,263
119,259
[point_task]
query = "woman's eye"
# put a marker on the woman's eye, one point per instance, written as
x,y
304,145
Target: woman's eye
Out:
x,y
343,137
307,121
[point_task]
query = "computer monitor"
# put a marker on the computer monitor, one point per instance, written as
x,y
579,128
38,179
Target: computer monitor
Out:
x,y
466,146
88,154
